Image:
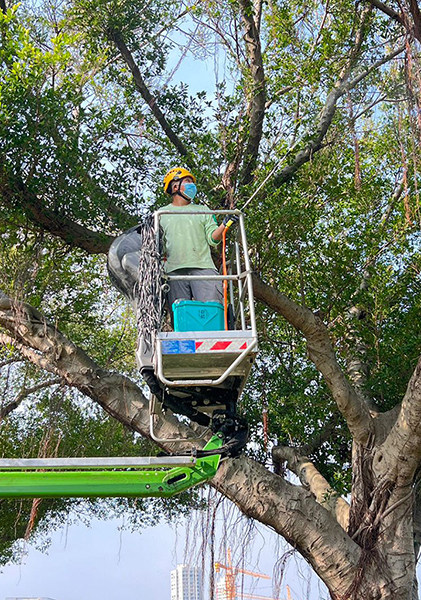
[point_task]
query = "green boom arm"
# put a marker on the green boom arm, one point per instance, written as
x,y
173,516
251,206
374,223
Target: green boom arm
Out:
x,y
102,483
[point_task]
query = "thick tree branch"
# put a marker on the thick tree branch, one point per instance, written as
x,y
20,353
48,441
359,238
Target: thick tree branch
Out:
x,y
342,86
116,37
257,492
321,353
258,7
416,15
387,10
358,366
316,533
274,501
34,357
399,456
312,480
400,18
45,346
257,91
14,192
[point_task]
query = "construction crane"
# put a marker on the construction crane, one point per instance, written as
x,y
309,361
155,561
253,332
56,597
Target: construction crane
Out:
x,y
231,574
230,584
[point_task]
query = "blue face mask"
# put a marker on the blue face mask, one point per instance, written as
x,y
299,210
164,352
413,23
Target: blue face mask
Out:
x,y
190,190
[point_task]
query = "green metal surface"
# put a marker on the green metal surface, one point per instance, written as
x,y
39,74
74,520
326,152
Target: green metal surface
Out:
x,y
140,483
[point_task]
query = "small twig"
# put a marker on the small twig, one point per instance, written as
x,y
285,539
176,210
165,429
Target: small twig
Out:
x,y
6,410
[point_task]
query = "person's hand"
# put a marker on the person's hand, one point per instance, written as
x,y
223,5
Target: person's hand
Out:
x,y
230,220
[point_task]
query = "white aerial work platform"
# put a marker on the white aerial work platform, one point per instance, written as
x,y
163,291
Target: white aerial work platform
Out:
x,y
201,374
212,358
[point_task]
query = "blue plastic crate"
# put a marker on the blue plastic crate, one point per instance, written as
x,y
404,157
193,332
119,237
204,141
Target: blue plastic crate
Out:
x,y
191,315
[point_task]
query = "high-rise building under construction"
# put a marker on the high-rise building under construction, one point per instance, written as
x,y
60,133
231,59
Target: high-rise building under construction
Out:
x,y
186,583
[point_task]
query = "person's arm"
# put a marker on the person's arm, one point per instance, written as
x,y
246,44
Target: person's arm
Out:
x,y
214,234
217,234
228,221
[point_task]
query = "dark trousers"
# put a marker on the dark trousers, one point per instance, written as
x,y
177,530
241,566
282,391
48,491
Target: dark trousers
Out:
x,y
201,290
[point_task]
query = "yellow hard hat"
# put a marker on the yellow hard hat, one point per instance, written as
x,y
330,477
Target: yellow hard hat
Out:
x,y
175,174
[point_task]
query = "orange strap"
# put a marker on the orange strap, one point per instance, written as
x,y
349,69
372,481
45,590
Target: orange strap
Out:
x,y
224,272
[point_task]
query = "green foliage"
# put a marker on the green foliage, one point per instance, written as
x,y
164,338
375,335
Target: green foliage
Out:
x,y
77,139
61,146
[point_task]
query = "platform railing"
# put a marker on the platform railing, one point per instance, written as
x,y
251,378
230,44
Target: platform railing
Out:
x,y
95,462
243,277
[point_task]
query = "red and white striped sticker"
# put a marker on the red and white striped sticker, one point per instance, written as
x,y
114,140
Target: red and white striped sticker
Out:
x,y
221,346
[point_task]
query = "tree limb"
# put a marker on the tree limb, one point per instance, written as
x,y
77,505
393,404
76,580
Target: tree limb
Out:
x,y
45,346
34,357
342,86
274,501
400,454
116,37
312,480
320,350
387,10
316,533
416,15
24,393
257,93
14,192
357,361
400,18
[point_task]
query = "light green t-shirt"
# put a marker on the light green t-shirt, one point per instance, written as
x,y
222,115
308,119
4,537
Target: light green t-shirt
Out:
x,y
187,238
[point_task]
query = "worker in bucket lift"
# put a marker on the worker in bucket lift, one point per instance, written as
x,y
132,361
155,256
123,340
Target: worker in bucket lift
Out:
x,y
188,240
